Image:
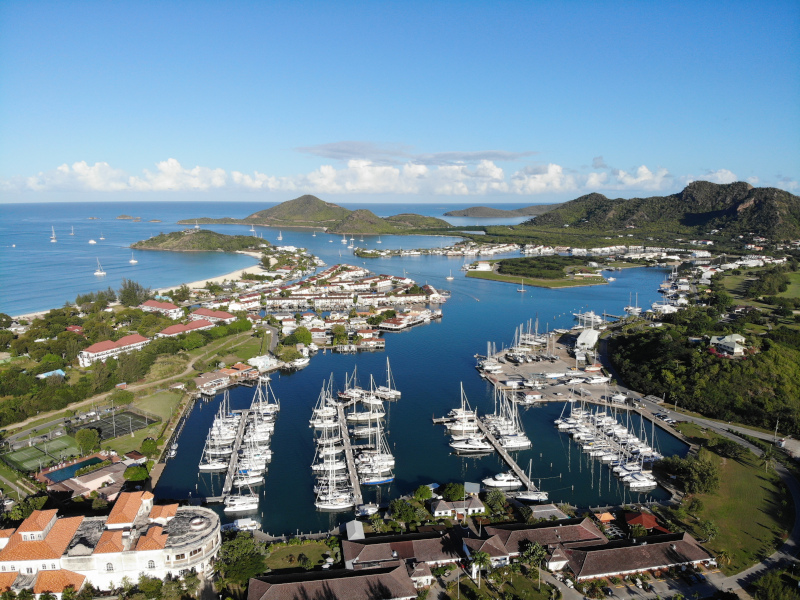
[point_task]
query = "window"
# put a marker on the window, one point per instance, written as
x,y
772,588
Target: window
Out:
x,y
53,566
195,552
109,567
180,556
44,567
151,564
13,568
29,570
4,567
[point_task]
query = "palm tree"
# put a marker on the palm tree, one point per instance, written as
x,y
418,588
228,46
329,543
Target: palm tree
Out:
x,y
768,458
724,557
480,560
534,554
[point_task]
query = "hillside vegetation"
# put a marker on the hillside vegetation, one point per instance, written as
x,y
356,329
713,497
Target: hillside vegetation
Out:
x,y
414,221
304,210
199,240
698,209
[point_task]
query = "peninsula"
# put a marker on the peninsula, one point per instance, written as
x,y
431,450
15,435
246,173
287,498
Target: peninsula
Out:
x,y
199,240
311,212
487,212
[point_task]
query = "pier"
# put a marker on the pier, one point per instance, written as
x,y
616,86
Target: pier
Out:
x,y
348,454
523,477
237,443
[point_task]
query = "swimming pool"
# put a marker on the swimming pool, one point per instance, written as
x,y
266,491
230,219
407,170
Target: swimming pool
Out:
x,y
68,472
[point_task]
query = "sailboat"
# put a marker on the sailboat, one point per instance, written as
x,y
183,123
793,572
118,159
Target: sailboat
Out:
x,y
99,270
379,240
533,495
522,285
314,234
73,231
280,236
53,237
252,229
633,309
133,261
450,277
196,226
388,391
344,238
102,237
241,502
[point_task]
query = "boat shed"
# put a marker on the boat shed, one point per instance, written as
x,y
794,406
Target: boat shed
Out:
x,y
587,339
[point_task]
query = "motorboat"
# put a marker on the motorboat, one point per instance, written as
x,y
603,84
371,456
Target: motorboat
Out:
x,y
471,445
241,503
365,510
532,496
242,525
502,480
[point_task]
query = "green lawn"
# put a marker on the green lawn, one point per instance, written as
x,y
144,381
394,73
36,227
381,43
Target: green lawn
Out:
x,y
518,585
162,404
794,286
751,508
545,283
249,349
286,557
126,443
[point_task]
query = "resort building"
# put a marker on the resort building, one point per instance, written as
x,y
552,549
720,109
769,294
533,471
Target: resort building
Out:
x,y
180,329
165,308
49,554
102,351
215,316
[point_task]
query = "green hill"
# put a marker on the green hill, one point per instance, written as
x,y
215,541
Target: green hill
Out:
x,y
305,210
699,208
199,240
363,221
414,221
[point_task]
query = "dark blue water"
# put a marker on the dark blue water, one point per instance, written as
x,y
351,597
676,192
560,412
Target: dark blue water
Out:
x,y
428,364
38,275
68,472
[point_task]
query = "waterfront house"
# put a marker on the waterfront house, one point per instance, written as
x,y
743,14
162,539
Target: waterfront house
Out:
x,y
165,308
459,508
102,351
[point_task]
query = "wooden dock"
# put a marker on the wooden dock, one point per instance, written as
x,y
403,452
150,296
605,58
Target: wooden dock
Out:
x,y
523,477
234,461
348,453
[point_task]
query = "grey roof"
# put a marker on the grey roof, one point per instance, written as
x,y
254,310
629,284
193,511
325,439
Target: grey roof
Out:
x,y
87,536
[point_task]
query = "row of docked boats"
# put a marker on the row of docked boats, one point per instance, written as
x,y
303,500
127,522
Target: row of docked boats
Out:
x,y
603,437
238,443
372,461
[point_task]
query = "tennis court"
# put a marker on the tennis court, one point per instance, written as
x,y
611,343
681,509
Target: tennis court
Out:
x,y
42,454
118,424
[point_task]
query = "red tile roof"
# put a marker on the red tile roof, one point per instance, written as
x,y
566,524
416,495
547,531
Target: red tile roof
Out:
x,y
163,512
154,539
160,305
53,546
37,521
127,507
56,581
128,340
109,542
6,579
219,314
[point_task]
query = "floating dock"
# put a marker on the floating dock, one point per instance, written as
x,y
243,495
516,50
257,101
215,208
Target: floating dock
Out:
x,y
348,453
507,457
234,461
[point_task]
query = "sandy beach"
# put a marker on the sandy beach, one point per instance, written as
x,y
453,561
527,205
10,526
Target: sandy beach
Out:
x,y
233,275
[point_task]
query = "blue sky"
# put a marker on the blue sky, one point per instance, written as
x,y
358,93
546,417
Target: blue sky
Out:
x,y
462,102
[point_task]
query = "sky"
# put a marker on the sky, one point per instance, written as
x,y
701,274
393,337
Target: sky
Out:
x,y
463,102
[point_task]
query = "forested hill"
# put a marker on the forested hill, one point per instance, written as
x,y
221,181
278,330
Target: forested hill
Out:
x,y
483,212
310,211
702,206
199,240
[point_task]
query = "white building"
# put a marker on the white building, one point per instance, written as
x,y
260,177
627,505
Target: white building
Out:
x,y
102,351
165,308
48,554
215,316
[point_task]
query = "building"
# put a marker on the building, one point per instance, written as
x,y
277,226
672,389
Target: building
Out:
x,y
180,329
48,554
165,308
469,506
432,549
215,316
729,344
102,351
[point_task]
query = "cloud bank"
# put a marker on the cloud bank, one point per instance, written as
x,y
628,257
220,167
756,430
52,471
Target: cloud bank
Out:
x,y
442,174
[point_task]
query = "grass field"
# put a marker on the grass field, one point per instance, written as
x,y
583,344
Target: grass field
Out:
x,y
751,508
545,283
518,585
286,557
794,287
162,403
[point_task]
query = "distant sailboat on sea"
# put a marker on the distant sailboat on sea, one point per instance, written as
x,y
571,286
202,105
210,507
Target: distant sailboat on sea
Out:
x,y
53,237
73,231
522,284
102,237
379,240
99,270
196,226
133,261
450,277
280,236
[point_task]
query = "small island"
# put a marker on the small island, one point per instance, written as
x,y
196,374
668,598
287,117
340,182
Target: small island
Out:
x,y
125,217
541,271
486,212
200,240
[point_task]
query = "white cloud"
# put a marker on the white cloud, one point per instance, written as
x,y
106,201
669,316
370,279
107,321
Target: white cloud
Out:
x,y
365,176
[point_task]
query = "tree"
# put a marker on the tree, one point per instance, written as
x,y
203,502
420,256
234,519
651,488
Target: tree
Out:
x,y
638,530
136,473
240,558
724,557
304,561
150,586
480,560
23,509
339,335
132,293
402,510
99,503
69,593
149,447
453,492
496,500
534,554
709,529
87,439
25,594
423,493
768,458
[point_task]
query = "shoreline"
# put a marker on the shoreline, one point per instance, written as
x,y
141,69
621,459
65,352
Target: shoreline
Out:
x,y
191,285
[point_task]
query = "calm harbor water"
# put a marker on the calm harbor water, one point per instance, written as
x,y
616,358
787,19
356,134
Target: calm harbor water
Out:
x,y
428,362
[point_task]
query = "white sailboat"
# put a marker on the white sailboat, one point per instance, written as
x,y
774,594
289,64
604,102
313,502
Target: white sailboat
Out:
x,y
344,238
99,271
53,236
102,237
133,261
379,240
314,234
522,285
73,231
450,277
388,391
280,236
196,226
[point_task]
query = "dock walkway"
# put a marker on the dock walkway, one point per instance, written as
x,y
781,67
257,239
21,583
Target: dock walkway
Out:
x,y
234,461
348,453
523,477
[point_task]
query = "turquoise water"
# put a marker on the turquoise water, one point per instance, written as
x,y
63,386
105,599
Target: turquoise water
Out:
x,y
68,472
